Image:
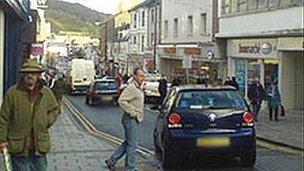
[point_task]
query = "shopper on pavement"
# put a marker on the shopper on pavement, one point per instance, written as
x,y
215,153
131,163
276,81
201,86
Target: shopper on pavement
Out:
x,y
162,88
255,95
274,100
234,83
131,101
27,112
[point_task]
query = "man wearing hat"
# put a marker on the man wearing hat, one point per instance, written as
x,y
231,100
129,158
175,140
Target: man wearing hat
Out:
x,y
27,112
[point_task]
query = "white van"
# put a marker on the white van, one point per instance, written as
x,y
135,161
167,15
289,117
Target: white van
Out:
x,y
81,75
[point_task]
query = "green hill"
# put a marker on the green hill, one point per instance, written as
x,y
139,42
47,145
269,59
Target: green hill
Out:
x,y
66,16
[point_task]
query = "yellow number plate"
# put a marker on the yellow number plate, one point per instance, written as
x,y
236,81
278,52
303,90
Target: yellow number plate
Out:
x,y
213,142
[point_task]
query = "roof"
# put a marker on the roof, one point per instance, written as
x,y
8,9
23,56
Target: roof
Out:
x,y
146,3
203,87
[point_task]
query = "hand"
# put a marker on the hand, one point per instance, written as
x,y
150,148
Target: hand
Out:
x,y
2,146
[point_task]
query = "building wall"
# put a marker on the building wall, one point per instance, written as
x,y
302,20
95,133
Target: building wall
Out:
x,y
267,21
180,10
1,53
292,79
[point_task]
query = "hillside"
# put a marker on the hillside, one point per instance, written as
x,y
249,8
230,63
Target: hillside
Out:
x,y
66,16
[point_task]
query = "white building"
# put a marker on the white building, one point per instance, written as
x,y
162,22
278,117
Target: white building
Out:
x,y
143,34
188,29
265,40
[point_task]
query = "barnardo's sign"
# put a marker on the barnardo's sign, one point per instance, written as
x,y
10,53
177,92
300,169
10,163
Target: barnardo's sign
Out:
x,y
252,48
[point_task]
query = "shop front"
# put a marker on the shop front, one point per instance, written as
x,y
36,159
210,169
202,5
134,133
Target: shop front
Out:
x,y
205,62
250,59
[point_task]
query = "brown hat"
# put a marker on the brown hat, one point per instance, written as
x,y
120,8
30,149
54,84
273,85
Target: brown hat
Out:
x,y
31,65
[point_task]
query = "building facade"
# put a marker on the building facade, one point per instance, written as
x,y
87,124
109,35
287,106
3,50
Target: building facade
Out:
x,y
187,39
15,15
265,41
143,35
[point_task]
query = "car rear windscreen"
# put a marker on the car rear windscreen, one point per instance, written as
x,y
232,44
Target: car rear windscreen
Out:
x,y
210,99
105,85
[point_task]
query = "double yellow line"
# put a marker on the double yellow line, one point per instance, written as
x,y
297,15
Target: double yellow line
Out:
x,y
89,127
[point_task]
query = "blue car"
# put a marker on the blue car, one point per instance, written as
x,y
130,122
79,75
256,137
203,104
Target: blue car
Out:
x,y
204,121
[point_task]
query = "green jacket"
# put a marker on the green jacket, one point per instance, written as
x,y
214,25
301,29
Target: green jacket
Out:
x,y
22,121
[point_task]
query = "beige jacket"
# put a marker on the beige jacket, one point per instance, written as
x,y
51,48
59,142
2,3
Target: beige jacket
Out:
x,y
131,101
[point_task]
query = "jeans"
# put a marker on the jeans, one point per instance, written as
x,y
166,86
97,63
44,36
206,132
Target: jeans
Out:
x,y
129,146
30,163
256,110
276,111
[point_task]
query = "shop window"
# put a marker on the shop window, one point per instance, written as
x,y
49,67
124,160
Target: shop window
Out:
x,y
285,3
297,2
226,7
234,6
252,5
262,4
273,3
242,5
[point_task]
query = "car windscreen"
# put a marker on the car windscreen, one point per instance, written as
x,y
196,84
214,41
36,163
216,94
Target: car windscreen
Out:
x,y
105,85
210,99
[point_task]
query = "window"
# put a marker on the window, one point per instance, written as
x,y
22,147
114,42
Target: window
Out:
x,y
226,7
242,5
273,3
152,15
203,24
175,27
134,40
262,4
252,4
143,19
284,3
152,39
190,25
234,6
135,21
142,43
297,2
166,31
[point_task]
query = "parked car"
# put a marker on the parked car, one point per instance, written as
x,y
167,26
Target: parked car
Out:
x,y
204,121
101,90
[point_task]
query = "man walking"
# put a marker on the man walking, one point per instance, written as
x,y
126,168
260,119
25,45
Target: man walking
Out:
x,y
131,101
162,88
256,97
27,112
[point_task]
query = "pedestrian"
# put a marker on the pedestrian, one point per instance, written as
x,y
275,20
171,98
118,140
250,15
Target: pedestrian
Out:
x,y
119,80
274,100
176,82
131,101
233,83
27,112
125,78
162,88
255,95
59,87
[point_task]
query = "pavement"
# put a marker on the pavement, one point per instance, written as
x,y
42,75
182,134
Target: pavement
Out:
x,y
73,149
287,131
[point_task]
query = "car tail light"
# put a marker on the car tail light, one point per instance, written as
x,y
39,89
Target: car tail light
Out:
x,y
248,119
174,121
94,91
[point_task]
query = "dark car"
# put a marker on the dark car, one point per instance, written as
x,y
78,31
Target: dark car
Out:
x,y
101,90
205,122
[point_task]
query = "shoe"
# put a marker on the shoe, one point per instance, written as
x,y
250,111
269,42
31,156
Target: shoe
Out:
x,y
110,164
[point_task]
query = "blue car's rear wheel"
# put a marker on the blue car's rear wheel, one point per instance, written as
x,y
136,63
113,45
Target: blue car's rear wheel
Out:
x,y
248,158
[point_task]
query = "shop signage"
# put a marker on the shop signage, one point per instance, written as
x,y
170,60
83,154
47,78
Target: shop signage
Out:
x,y
257,48
170,50
192,51
36,49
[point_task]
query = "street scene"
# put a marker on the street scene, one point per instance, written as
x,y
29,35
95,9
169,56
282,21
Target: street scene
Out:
x,y
151,85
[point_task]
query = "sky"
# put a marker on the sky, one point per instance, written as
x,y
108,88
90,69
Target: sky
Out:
x,y
105,6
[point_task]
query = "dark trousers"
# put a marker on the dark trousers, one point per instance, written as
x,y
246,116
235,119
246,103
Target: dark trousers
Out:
x,y
30,163
276,112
